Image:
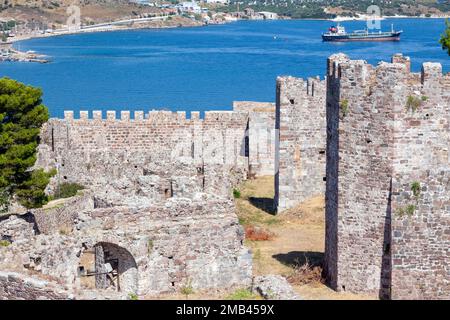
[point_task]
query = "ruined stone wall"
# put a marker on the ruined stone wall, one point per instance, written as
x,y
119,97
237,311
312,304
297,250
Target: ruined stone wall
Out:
x,y
61,216
300,142
376,148
260,137
159,156
197,241
15,286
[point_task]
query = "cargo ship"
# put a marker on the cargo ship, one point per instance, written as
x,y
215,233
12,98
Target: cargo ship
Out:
x,y
338,33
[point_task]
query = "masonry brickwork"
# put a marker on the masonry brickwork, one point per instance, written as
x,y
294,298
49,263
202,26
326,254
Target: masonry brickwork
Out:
x,y
16,286
148,158
301,141
388,164
158,208
158,249
260,137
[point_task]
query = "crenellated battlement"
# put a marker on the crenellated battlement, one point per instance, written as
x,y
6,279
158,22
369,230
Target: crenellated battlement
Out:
x,y
360,74
312,87
153,116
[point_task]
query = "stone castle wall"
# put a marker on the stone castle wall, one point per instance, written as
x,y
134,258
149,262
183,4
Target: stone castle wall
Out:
x,y
15,286
377,146
260,136
158,156
421,235
61,218
160,248
300,152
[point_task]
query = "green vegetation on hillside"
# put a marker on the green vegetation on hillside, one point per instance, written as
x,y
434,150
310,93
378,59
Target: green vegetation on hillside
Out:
x,y
21,117
297,9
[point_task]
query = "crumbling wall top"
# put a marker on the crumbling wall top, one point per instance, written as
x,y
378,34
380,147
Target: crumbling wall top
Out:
x,y
361,73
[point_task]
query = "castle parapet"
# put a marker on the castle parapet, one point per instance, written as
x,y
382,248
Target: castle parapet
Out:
x,y
195,115
68,115
97,114
111,115
139,115
399,58
431,73
333,63
125,115
84,115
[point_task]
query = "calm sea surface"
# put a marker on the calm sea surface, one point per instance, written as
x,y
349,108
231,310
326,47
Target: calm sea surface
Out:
x,y
202,68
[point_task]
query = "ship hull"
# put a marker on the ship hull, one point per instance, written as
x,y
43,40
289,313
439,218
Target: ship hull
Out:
x,y
347,38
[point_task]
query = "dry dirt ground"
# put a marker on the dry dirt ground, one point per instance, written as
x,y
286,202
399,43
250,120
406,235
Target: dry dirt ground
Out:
x,y
298,236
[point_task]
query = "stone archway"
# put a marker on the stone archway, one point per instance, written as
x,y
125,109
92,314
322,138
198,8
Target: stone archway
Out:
x,y
110,267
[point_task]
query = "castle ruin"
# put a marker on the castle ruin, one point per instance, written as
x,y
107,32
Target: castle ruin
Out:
x,y
157,213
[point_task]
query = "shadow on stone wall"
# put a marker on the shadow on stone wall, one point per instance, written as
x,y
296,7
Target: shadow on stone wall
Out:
x,y
386,265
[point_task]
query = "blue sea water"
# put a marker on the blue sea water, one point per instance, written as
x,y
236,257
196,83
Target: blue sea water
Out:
x,y
201,68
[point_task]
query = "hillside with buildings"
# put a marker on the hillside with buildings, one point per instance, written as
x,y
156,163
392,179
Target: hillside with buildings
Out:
x,y
298,9
53,14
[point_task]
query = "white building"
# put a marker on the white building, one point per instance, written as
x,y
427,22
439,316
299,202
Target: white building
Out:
x,y
268,15
192,7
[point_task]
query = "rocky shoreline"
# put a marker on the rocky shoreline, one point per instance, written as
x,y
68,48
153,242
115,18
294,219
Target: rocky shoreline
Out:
x,y
8,53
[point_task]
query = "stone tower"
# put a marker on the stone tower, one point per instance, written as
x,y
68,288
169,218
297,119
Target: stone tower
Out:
x,y
300,142
388,179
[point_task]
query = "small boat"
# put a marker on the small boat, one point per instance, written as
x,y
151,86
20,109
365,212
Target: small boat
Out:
x,y
339,34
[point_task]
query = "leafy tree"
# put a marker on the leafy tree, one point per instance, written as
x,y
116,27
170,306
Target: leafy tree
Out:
x,y
445,38
21,117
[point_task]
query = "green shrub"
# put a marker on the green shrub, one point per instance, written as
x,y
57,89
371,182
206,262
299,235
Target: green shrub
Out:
x,y
187,289
413,103
400,212
344,107
410,209
4,243
242,294
133,296
415,188
236,193
67,190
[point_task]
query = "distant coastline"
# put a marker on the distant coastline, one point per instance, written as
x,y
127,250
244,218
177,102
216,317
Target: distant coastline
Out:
x,y
200,68
64,32
19,56
366,17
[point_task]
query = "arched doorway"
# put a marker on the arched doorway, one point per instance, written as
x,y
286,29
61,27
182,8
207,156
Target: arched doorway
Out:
x,y
108,266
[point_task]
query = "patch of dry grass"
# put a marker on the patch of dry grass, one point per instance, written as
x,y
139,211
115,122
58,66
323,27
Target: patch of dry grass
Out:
x,y
297,247
306,273
255,201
